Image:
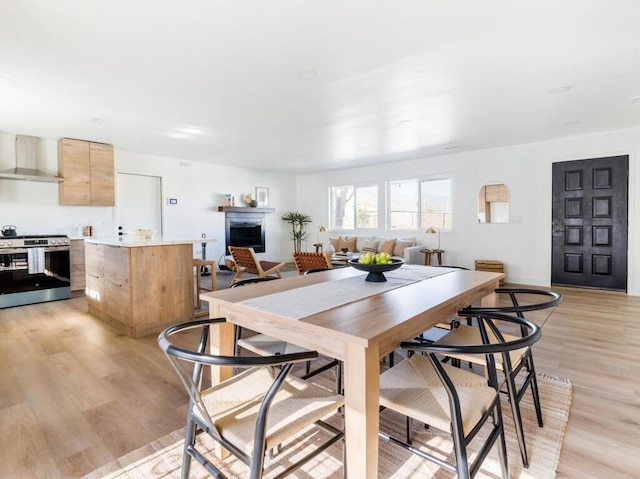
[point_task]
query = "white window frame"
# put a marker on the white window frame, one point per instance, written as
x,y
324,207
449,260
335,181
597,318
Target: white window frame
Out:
x,y
420,180
354,211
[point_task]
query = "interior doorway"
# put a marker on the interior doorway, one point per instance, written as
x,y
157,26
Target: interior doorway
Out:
x,y
590,223
139,203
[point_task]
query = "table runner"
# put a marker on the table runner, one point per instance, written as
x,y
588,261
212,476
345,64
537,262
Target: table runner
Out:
x,y
309,300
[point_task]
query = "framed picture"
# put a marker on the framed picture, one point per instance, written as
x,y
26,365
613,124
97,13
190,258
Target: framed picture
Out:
x,y
262,195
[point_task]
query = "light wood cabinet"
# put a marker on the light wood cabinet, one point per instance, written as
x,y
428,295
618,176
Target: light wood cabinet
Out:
x,y
77,265
88,172
140,290
496,193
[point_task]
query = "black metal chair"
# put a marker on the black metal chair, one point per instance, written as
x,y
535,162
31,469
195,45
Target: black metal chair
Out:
x,y
436,331
417,386
251,412
521,361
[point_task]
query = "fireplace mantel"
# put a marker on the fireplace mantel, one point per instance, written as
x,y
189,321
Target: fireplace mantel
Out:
x,y
245,209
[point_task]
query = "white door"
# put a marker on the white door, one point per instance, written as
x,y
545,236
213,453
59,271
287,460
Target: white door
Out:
x,y
139,203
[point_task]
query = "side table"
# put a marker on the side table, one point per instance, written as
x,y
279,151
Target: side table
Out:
x,y
428,253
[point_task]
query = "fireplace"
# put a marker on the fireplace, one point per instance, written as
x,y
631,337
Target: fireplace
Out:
x,y
246,230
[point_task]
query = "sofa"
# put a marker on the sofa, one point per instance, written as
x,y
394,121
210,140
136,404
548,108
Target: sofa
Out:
x,y
405,248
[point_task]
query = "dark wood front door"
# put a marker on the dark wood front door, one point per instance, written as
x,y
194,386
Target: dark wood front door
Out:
x,y
590,223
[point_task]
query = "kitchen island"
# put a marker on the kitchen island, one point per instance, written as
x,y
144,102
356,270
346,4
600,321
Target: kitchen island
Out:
x,y
140,286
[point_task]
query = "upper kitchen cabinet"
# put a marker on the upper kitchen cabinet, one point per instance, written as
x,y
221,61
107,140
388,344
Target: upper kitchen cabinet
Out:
x,y
88,172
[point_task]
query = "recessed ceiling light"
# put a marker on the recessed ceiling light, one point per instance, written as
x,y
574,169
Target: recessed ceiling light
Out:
x,y
307,74
6,81
95,120
405,122
560,89
572,123
635,100
451,147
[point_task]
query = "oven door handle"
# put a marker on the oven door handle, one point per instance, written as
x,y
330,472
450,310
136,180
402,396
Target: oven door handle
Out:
x,y
52,249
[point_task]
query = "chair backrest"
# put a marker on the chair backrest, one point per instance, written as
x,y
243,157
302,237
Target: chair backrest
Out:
x,y
244,282
245,258
305,260
520,301
491,327
181,357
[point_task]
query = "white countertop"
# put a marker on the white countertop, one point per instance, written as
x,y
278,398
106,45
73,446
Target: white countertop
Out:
x,y
131,242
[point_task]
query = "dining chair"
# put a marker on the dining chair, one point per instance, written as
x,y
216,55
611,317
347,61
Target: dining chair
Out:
x,y
521,362
305,260
452,400
265,345
436,331
251,412
246,261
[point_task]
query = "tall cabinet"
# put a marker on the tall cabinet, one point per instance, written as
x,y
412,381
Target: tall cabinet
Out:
x,y
88,172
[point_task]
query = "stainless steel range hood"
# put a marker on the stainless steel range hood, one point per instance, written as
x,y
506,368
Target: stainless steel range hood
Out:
x,y
26,163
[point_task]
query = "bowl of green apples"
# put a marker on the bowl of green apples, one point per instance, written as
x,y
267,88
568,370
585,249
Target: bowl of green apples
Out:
x,y
376,264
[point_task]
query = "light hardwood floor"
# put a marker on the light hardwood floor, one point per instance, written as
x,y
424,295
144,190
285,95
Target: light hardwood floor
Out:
x,y
74,395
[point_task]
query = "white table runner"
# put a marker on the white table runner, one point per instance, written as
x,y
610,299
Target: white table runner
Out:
x,y
309,300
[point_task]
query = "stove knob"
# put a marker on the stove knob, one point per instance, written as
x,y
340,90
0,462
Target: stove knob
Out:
x,y
1,243
9,243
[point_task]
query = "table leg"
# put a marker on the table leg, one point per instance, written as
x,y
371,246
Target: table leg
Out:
x,y
221,341
427,259
439,258
362,392
491,300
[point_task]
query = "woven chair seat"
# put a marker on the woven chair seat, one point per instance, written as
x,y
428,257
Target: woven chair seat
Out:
x,y
414,389
246,261
233,407
464,334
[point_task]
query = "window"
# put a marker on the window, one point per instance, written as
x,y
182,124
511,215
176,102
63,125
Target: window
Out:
x,y
354,207
417,204
435,203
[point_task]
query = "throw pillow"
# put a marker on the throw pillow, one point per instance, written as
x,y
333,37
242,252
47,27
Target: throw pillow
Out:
x,y
369,247
387,247
398,249
334,243
350,244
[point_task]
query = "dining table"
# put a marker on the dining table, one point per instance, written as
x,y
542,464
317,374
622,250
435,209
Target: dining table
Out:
x,y
342,316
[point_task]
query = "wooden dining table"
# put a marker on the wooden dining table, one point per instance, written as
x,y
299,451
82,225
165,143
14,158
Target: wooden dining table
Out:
x,y
341,316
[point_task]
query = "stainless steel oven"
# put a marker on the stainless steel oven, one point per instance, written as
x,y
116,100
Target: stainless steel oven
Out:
x,y
34,269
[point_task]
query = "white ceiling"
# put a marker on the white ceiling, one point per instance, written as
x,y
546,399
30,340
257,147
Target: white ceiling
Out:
x,y
215,81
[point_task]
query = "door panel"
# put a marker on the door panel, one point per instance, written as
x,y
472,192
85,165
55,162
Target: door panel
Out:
x,y
139,204
590,203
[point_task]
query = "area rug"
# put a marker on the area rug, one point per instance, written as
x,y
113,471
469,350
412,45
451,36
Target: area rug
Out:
x,y
163,458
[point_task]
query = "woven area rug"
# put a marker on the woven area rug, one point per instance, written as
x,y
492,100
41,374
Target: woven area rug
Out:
x,y
163,458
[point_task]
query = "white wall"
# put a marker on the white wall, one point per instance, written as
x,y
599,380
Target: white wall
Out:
x,y
199,187
525,248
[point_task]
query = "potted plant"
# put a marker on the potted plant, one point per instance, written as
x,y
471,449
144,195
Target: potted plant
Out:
x,y
298,221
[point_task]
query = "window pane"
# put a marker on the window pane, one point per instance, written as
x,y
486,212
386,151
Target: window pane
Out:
x,y
435,202
342,207
403,205
367,206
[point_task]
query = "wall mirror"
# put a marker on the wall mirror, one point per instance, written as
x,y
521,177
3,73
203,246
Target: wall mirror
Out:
x,y
493,203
